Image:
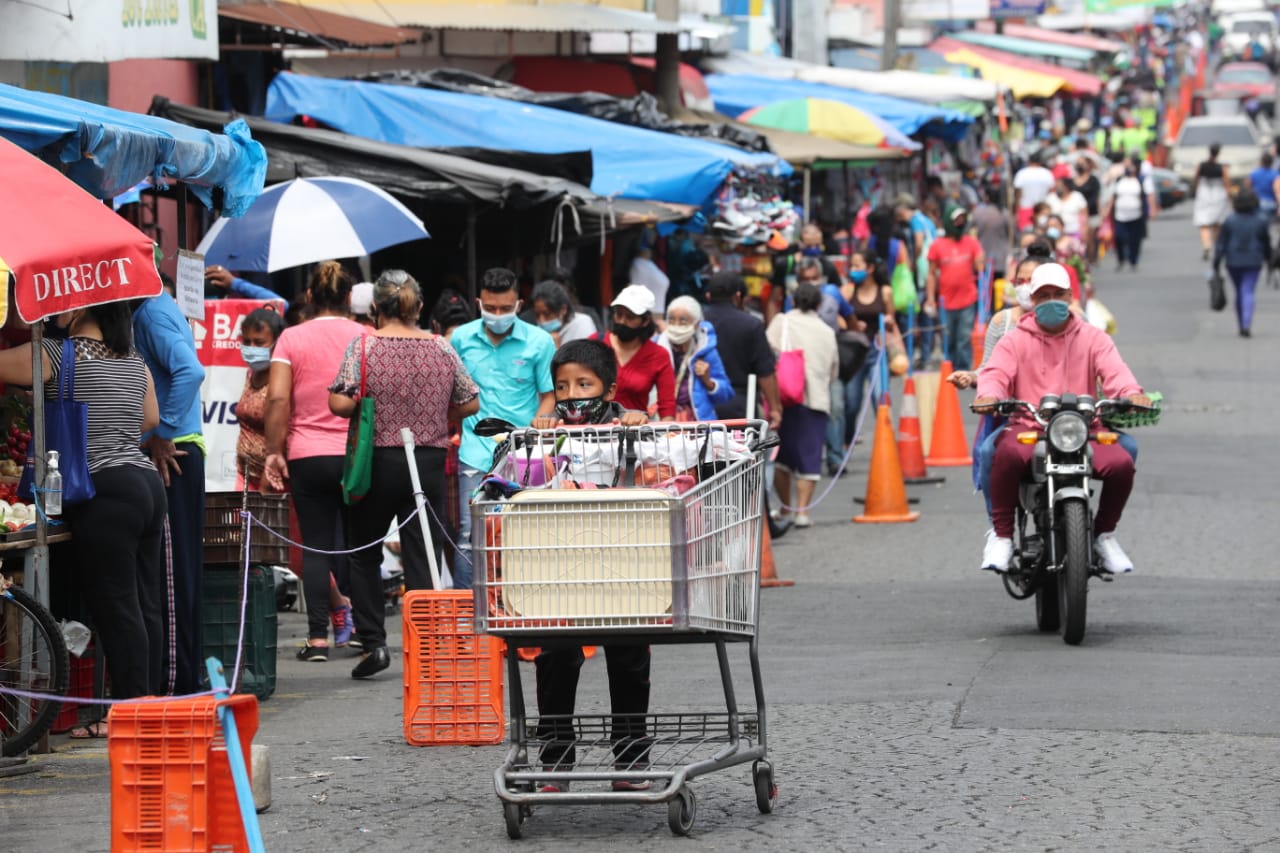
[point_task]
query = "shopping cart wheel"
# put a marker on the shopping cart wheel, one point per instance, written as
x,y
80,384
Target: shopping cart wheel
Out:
x,y
514,815
682,810
766,791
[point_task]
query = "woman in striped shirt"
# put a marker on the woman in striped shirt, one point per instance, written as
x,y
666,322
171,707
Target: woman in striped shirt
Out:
x,y
118,567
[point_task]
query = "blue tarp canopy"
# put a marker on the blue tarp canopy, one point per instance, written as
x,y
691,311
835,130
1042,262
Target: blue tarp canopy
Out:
x,y
108,151
627,161
734,94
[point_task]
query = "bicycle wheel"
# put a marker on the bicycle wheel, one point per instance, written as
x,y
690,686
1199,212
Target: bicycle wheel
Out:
x,y
33,658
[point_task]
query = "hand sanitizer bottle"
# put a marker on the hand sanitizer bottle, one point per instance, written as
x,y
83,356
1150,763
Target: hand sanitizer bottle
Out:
x,y
52,486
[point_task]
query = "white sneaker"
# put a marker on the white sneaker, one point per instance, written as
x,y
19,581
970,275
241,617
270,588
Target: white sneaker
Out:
x,y
802,520
997,553
1114,559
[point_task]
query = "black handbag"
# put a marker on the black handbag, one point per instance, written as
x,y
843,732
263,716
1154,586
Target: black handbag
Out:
x,y
1217,292
853,348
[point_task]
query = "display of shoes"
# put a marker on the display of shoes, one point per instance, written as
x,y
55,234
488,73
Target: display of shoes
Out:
x,y
372,663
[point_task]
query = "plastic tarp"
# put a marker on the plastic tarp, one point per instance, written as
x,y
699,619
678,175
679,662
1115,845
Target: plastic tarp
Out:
x,y
911,85
1021,82
1021,31
639,110
107,151
736,93
1075,82
1027,47
627,161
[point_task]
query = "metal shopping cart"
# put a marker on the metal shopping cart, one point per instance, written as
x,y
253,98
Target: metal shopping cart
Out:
x,y
616,535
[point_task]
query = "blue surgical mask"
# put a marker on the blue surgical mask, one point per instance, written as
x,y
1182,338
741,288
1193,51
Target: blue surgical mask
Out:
x,y
1053,233
857,276
499,324
258,358
1052,314
551,325
812,251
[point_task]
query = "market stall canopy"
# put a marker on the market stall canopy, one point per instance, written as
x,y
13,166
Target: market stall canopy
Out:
x,y
912,85
1081,40
503,17
830,120
327,28
920,60
803,149
65,249
736,93
1021,82
1027,47
108,151
628,162
1111,22
1075,82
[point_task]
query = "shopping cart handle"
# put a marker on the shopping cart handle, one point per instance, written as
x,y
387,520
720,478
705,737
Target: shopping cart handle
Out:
x,y
489,427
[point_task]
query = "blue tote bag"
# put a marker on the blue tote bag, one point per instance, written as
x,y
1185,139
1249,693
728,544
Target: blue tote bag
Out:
x,y
66,430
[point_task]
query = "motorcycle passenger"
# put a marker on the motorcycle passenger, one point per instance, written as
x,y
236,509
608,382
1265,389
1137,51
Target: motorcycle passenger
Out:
x,y
1052,351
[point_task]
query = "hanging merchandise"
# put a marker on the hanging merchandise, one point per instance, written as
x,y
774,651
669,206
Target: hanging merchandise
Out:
x,y
751,210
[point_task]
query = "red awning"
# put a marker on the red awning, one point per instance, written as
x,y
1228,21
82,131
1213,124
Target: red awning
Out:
x,y
1077,82
1021,31
65,248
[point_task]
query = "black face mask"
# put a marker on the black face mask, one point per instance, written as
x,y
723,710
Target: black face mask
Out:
x,y
589,410
627,334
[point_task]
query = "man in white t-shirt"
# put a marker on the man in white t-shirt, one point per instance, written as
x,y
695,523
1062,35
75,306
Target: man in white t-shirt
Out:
x,y
1031,185
1072,207
645,272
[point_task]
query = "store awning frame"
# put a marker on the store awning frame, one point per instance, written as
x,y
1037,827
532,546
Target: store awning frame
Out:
x,y
318,25
549,18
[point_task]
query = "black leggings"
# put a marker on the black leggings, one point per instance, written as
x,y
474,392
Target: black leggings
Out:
x,y
316,484
119,569
391,497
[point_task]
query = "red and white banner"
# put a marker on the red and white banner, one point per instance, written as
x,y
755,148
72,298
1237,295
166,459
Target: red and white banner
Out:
x,y
218,346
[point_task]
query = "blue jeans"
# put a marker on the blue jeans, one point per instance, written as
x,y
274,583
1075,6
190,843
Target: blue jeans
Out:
x,y
468,480
835,425
959,326
987,452
1246,282
1128,236
855,392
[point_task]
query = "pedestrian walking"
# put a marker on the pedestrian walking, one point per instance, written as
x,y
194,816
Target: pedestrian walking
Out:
x,y
701,383
1244,246
644,368
1125,210
1212,200
955,261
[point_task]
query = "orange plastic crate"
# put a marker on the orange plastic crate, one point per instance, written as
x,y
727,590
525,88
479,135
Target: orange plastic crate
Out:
x,y
171,786
452,676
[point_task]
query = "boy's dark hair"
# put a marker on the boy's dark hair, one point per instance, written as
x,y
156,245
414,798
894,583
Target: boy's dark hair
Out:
x,y
807,297
498,280
265,318
593,355
451,309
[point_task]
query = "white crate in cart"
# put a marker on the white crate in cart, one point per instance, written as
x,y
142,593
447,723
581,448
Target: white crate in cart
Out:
x,y
622,559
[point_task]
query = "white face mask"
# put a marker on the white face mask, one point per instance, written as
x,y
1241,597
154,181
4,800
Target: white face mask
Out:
x,y
680,335
1022,293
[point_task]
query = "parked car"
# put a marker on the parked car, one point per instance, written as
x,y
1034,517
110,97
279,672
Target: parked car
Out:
x,y
1243,27
1240,139
1244,79
1171,188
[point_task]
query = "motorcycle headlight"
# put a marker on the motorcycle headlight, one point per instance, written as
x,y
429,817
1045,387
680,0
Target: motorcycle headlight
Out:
x,y
1068,432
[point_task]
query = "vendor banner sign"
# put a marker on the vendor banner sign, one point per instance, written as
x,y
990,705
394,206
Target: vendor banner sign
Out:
x,y
109,30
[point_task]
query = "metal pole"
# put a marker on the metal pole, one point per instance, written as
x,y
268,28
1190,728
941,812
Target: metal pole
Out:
x,y
808,177
666,68
36,575
848,196
889,47
182,216
472,273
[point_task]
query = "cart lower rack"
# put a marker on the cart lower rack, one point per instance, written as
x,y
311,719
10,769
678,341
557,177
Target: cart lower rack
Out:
x,y
625,536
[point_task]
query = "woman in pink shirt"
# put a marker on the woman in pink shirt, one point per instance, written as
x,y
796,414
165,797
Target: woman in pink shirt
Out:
x,y
301,429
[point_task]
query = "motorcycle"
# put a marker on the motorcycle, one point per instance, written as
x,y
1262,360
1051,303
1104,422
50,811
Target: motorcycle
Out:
x,y
1053,556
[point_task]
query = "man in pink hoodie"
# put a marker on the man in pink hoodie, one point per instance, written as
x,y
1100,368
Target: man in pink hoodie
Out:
x,y
1052,351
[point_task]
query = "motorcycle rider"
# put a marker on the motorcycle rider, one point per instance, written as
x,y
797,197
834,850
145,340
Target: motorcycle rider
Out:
x,y
1052,351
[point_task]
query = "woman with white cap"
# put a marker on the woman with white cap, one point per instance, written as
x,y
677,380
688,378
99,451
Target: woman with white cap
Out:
x,y
643,366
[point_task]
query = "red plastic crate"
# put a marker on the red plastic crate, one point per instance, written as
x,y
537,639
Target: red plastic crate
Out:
x,y
452,676
80,684
171,786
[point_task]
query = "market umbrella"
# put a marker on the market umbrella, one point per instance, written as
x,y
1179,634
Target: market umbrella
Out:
x,y
64,248
830,119
308,220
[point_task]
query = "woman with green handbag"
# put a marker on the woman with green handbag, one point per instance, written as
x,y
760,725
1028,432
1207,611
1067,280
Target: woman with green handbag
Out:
x,y
399,376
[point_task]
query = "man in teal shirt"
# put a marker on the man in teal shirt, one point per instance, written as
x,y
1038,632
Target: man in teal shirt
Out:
x,y
510,361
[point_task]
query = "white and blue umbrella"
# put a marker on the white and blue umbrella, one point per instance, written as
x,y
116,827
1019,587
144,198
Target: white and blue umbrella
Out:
x,y
307,220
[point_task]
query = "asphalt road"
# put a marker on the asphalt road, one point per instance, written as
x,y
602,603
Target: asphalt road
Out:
x,y
913,705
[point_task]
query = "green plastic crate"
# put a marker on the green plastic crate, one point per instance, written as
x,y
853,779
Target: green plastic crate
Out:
x,y
222,625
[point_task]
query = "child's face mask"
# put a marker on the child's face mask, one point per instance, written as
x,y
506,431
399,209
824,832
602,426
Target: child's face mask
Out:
x,y
584,410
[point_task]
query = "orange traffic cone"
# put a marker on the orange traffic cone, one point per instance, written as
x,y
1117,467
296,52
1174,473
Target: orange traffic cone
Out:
x,y
910,447
977,341
886,493
768,569
949,448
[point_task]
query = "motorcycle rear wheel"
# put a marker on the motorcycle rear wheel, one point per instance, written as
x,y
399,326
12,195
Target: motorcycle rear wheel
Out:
x,y
1073,580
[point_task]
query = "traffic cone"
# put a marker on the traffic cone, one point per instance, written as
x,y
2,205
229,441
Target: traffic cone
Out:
x,y
886,493
768,569
949,448
926,402
910,447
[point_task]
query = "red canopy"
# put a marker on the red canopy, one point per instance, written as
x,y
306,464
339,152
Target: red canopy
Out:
x,y
65,248
1020,31
1077,82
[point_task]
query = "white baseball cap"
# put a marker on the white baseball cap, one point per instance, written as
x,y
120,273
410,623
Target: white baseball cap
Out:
x,y
636,298
1050,275
362,299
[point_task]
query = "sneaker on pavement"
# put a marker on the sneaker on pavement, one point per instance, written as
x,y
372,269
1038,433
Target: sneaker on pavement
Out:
x,y
343,625
1113,557
310,653
803,520
997,553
